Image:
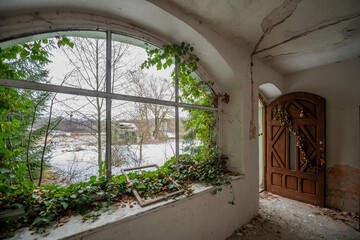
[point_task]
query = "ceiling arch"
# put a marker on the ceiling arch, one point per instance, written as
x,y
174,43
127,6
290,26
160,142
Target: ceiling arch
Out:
x,y
270,91
135,17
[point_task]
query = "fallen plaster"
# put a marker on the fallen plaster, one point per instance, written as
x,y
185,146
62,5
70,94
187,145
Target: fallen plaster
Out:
x,y
283,218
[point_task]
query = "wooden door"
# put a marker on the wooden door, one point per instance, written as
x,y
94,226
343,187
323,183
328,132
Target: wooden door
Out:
x,y
294,171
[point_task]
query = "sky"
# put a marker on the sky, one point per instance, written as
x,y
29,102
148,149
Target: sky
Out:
x,y
61,66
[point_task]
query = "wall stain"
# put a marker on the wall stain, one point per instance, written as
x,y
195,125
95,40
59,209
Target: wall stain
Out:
x,y
343,188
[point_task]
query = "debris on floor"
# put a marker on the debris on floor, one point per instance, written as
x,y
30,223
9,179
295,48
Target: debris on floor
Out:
x,y
283,218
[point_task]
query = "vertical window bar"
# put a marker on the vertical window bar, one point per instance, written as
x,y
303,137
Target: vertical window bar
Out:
x,y
108,106
177,145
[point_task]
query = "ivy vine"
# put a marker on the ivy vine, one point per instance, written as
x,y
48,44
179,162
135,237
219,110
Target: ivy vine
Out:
x,y
47,204
192,90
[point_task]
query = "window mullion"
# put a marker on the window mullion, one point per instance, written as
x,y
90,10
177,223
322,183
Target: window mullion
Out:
x,y
177,145
108,106
23,84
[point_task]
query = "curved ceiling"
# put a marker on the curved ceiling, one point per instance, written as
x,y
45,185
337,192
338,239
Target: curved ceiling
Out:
x,y
19,17
270,91
289,35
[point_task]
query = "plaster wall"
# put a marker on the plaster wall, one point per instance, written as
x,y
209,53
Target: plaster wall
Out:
x,y
339,84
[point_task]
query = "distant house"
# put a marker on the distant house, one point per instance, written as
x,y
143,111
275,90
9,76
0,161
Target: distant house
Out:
x,y
124,133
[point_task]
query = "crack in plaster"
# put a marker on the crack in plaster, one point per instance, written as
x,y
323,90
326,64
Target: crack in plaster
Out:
x,y
238,117
279,15
274,18
310,31
312,58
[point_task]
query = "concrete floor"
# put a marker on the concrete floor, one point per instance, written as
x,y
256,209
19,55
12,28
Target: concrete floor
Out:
x,y
283,218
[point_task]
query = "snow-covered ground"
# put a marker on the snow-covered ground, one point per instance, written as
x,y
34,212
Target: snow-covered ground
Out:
x,y
76,158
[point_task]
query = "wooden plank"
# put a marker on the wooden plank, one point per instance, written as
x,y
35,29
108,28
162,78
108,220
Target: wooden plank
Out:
x,y
140,200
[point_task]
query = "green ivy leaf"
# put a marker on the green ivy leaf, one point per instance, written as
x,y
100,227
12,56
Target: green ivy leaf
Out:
x,y
17,205
159,65
64,205
105,204
92,178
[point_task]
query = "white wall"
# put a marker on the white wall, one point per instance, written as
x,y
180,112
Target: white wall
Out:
x,y
339,84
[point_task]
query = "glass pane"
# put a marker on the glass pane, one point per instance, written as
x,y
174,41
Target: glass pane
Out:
x,y
80,138
142,134
197,130
292,156
79,63
66,132
127,76
195,90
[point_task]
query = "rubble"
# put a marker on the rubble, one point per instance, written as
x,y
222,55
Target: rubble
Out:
x,y
282,218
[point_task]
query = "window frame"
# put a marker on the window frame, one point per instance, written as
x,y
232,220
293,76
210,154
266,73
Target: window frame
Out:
x,y
109,96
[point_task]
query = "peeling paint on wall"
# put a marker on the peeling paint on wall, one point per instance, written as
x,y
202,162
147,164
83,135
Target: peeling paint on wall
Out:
x,y
343,188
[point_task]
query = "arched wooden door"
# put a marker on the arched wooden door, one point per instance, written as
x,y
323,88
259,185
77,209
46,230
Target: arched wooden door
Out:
x,y
294,171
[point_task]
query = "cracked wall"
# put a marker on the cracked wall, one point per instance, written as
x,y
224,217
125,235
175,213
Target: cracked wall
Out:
x,y
343,187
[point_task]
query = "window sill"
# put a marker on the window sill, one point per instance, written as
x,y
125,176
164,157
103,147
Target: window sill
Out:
x,y
115,215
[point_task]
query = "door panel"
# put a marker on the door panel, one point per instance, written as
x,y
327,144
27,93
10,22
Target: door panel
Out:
x,y
300,180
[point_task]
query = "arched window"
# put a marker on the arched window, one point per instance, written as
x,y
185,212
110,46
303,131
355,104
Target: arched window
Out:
x,y
92,107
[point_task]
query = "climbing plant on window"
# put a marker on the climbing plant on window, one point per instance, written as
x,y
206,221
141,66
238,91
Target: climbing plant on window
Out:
x,y
193,91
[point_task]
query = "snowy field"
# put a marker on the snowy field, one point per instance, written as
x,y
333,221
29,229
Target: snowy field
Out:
x,y
75,157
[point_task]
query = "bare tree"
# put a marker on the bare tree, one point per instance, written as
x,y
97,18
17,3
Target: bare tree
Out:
x,y
160,88
153,87
148,118
88,59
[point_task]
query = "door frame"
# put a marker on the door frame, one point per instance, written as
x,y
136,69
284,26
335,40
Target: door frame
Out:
x,y
264,107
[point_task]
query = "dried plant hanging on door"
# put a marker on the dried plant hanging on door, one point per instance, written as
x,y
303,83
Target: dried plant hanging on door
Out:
x,y
283,116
